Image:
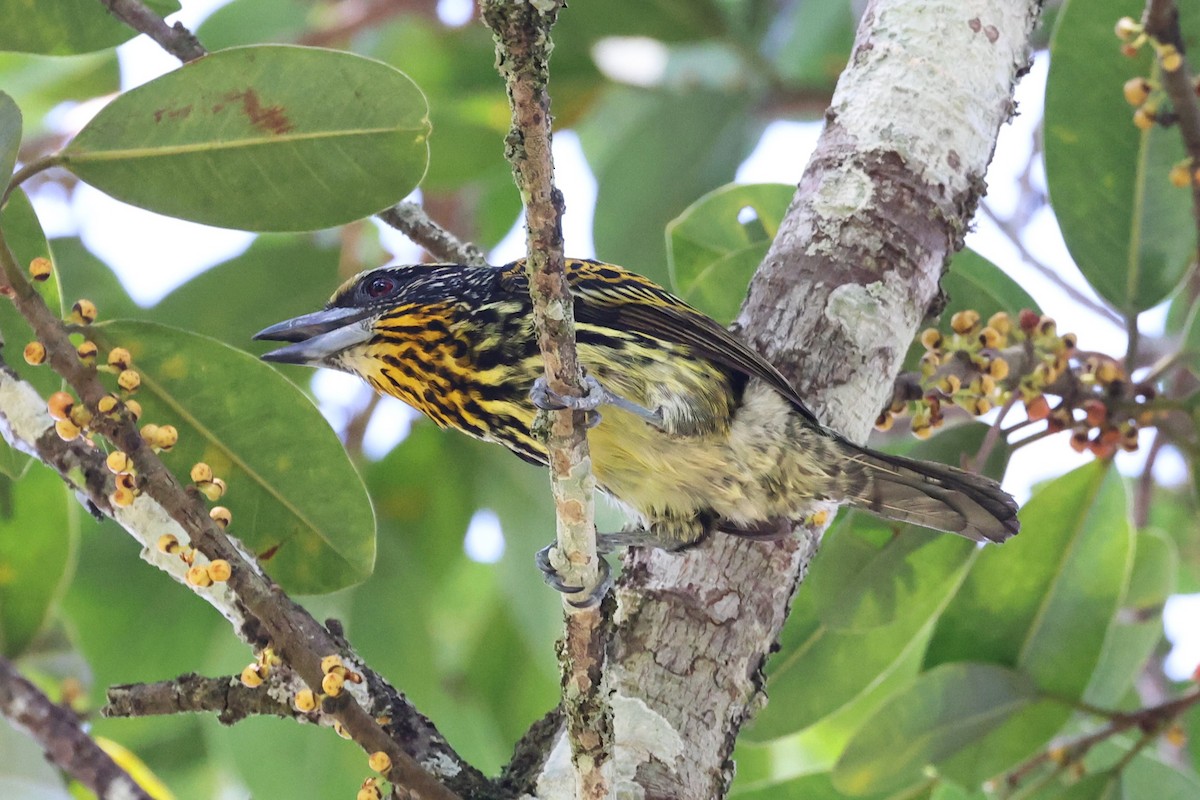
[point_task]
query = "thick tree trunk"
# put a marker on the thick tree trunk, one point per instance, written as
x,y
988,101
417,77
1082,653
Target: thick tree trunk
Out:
x,y
882,205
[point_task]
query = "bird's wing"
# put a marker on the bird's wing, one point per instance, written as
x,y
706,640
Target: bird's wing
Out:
x,y
609,295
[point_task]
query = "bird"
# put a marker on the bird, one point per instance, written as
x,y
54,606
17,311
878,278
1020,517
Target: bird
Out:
x,y
691,430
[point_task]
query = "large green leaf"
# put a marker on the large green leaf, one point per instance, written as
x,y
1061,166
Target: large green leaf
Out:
x,y
293,492
818,38
37,552
653,153
240,139
1045,600
1128,229
10,136
83,274
945,710
713,250
864,614
1136,634
63,27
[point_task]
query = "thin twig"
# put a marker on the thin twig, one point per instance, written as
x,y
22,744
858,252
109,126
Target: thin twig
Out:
x,y
175,39
1151,721
1014,235
411,220
226,697
522,35
993,434
62,737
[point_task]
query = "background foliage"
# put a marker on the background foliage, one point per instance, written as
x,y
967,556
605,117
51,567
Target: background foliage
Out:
x,y
901,651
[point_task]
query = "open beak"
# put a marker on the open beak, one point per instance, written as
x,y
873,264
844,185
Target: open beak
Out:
x,y
318,336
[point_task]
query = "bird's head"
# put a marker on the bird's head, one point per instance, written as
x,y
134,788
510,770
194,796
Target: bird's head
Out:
x,y
345,334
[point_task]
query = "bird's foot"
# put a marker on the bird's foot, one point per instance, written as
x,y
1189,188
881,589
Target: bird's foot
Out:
x,y
545,563
547,399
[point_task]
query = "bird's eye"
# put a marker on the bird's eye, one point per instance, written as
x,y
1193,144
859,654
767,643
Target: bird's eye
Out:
x,y
380,287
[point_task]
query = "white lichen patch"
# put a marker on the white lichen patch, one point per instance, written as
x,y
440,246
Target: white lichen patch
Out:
x,y
946,137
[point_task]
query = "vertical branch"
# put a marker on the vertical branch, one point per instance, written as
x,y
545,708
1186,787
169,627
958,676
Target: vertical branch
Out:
x,y
522,34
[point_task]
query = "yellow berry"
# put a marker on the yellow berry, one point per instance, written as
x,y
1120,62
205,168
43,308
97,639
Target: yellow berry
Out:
x,y
1170,58
81,416
59,405
987,384
964,321
330,662
885,421
119,462
1180,176
982,406
121,497
35,353
1001,322
332,684
129,380
369,791
998,369
210,490
67,431
219,570
126,480
221,515
40,268
1143,119
198,576
83,312
150,433
220,486
86,351
305,700
119,358
923,432
1107,372
168,437
931,338
340,730
251,678
135,409
201,472
168,543
990,337
1136,91
107,404
380,761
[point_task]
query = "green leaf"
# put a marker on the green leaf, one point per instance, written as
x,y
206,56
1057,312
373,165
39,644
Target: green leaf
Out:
x,y
64,27
246,22
1044,601
240,139
653,153
83,274
294,494
1130,231
296,272
945,710
38,535
818,41
712,253
10,136
863,616
1135,635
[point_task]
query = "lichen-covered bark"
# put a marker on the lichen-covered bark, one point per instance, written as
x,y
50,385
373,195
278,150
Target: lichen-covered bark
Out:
x,y
855,267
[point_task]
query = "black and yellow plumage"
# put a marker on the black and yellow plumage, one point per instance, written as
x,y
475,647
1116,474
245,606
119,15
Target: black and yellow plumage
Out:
x,y
707,434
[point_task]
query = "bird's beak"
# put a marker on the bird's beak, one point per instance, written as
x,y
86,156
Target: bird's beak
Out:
x,y
318,336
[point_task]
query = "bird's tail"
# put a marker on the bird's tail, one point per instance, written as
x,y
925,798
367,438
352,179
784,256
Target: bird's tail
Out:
x,y
928,494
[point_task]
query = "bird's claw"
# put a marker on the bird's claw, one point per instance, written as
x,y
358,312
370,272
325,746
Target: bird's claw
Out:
x,y
554,580
546,399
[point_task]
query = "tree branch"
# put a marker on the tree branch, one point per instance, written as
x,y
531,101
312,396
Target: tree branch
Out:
x,y
175,39
61,736
227,697
261,613
411,220
522,35
851,273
